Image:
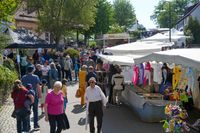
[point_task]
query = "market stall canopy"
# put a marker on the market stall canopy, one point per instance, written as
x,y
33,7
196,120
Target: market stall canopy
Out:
x,y
137,48
187,57
119,60
164,37
22,38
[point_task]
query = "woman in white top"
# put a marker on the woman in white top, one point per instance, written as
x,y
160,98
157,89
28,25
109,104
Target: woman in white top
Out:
x,y
118,82
95,99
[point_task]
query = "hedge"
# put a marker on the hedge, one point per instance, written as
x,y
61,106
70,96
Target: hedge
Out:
x,y
7,77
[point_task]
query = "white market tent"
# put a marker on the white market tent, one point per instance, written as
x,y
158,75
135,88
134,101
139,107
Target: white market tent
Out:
x,y
137,48
119,60
186,57
165,37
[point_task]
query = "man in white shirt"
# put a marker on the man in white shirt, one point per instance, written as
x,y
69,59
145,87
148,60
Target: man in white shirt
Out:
x,y
96,99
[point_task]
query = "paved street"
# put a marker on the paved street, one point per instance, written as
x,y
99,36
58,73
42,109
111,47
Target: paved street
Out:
x,y
116,119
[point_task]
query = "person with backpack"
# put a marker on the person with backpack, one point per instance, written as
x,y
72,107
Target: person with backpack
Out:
x,y
68,68
19,96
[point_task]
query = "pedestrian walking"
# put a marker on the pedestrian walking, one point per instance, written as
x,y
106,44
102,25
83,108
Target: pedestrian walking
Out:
x,y
54,108
90,74
44,91
118,85
82,83
52,74
64,91
33,79
19,97
95,101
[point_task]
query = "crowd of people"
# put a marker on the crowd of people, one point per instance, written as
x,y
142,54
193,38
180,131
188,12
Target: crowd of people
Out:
x,y
44,82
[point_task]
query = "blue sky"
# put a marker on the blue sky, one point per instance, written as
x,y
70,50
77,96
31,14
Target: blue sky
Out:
x,y
144,9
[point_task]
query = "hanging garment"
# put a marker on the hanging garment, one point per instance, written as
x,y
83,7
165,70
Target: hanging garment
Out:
x,y
147,74
190,78
176,76
127,72
157,73
135,74
183,81
141,74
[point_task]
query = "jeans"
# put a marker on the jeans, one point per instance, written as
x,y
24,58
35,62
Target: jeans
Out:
x,y
22,123
55,120
68,75
35,114
65,102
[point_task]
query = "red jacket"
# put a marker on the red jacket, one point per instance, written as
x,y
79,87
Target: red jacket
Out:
x,y
19,97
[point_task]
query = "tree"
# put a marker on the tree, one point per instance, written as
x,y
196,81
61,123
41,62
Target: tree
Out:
x,y
7,8
193,30
103,17
57,16
124,13
103,20
167,13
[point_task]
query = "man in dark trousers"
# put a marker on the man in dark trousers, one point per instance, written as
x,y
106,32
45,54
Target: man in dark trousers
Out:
x,y
33,79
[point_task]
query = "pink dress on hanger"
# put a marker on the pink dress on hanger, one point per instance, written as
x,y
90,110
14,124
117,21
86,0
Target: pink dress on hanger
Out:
x,y
135,75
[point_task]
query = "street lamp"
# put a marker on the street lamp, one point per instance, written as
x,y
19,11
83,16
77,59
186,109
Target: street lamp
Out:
x,y
170,23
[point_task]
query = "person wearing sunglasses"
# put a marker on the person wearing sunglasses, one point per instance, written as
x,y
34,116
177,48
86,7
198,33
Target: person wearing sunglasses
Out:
x,y
95,99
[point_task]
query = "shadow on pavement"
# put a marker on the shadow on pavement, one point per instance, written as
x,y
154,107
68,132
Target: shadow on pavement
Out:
x,y
78,109
121,118
82,121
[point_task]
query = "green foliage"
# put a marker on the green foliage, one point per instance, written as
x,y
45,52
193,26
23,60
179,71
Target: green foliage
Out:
x,y
124,13
92,44
193,30
104,18
167,13
71,52
7,8
115,28
4,40
8,63
7,76
57,16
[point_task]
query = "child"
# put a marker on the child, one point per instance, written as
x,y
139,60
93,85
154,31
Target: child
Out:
x,y
44,91
64,91
30,97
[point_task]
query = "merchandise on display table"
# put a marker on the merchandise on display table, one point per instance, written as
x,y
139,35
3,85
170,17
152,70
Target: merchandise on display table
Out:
x,y
176,119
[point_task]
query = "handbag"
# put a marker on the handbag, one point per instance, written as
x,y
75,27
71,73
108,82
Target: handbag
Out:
x,y
64,122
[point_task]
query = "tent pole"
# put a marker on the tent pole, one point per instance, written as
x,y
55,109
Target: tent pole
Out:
x,y
18,63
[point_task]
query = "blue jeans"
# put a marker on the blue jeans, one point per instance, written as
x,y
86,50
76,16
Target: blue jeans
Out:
x,y
65,102
22,123
35,114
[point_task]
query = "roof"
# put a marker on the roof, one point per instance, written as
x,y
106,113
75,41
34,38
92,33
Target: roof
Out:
x,y
22,38
189,10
